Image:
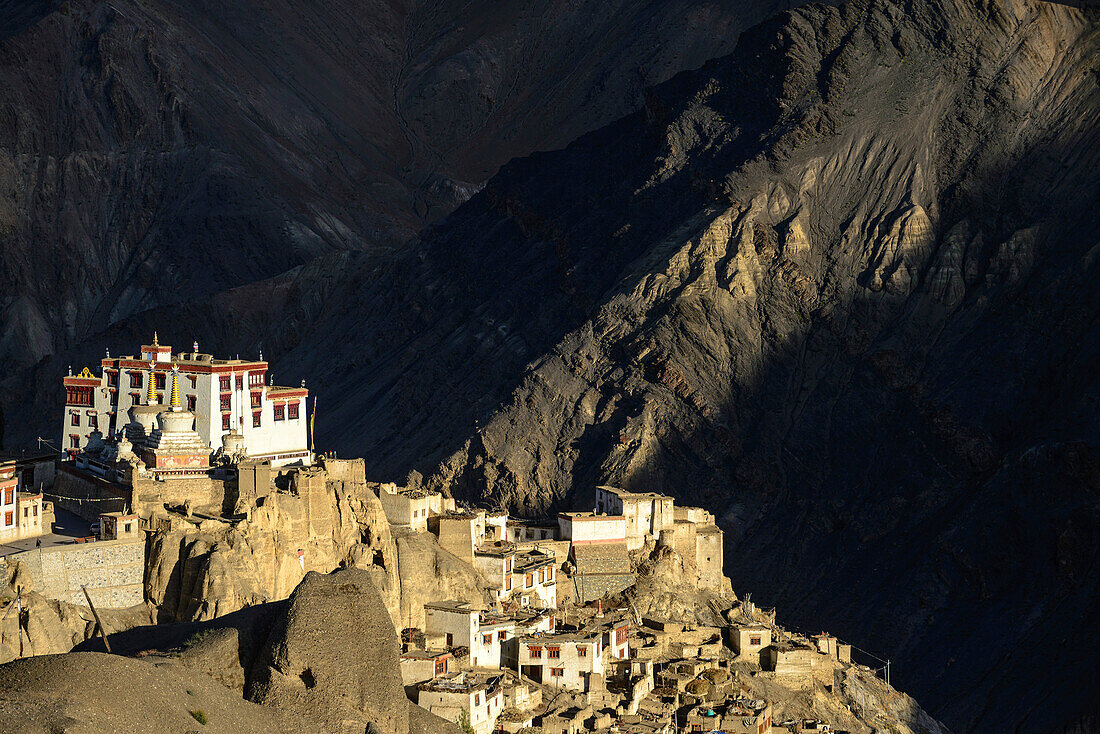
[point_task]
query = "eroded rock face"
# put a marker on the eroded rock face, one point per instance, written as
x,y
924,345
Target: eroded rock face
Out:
x,y
334,656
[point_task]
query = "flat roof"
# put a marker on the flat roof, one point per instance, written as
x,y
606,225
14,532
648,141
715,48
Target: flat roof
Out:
x,y
450,605
425,654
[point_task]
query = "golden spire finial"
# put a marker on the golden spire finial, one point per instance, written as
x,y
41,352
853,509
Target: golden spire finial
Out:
x,y
155,342
151,391
174,401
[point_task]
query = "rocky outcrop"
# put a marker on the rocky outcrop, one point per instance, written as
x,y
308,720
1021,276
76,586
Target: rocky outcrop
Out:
x,y
333,656
46,626
668,587
324,660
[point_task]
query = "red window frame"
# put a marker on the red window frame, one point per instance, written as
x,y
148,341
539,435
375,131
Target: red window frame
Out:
x,y
292,410
487,639
582,651
191,403
223,383
557,672
535,651
279,410
256,421
553,652
256,399
225,421
74,419
137,380
158,378
227,402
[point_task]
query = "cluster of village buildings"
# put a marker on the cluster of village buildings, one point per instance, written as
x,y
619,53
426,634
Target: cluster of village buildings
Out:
x,y
560,652
556,649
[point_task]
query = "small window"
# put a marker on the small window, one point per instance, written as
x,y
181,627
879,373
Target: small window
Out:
x,y
557,672
536,652
137,379
93,420
292,410
582,651
279,411
227,402
9,496
441,666
26,512
223,383
36,510
8,519
191,403
160,380
194,381
754,640
74,441
500,635
225,421
256,419
112,378
135,398
487,639
76,419
477,699
553,652
240,382
256,400
529,578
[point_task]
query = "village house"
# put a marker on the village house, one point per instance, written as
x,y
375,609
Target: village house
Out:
x,y
411,507
480,697
22,514
749,640
572,660
646,513
418,666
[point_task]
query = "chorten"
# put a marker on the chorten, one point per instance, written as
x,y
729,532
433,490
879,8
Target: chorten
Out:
x,y
175,445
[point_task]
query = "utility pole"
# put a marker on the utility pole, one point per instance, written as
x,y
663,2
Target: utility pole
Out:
x,y
98,621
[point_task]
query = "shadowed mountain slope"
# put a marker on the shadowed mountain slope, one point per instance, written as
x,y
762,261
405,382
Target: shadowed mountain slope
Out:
x,y
839,287
154,153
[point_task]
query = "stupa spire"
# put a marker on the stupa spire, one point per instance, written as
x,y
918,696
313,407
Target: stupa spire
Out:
x,y
151,390
174,401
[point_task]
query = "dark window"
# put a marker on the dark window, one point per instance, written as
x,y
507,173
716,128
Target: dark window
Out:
x,y
135,397
256,400
7,518
223,383
557,672
225,421
226,402
74,440
191,403
194,381
75,419
112,378
292,410
536,652
93,420
159,380
114,397
279,411
9,496
553,652
240,382
754,640
256,419
582,652
137,379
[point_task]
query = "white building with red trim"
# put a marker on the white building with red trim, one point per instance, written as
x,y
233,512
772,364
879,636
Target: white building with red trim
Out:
x,y
223,395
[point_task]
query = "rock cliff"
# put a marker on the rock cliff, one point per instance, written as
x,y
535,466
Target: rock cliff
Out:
x,y
202,569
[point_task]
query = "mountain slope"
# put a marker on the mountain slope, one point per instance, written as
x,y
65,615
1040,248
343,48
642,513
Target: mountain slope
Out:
x,y
839,287
156,153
